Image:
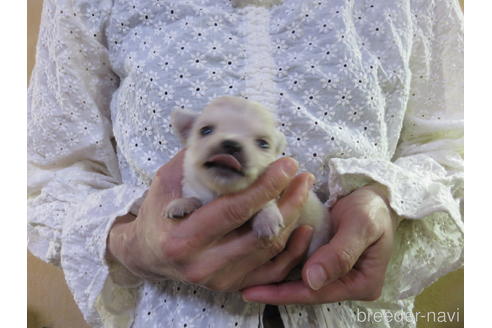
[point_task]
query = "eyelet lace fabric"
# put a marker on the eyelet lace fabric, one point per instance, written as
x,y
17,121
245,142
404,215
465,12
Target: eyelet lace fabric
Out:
x,y
365,91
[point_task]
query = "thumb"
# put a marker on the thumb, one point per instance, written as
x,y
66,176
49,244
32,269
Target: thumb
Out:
x,y
167,181
241,206
231,211
333,260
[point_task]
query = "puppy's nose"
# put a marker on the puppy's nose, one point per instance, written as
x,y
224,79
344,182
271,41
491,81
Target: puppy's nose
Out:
x,y
231,146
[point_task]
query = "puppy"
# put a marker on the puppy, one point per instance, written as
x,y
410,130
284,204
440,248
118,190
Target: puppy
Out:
x,y
228,146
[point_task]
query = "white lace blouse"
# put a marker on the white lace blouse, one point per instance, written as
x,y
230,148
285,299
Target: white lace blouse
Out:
x,y
364,91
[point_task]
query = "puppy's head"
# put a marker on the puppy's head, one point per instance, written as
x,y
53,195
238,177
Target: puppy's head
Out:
x,y
230,143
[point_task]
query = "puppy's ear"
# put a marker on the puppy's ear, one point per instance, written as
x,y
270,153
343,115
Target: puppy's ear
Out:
x,y
280,143
182,121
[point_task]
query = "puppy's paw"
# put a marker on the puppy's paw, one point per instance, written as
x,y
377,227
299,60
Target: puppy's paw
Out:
x,y
268,222
181,207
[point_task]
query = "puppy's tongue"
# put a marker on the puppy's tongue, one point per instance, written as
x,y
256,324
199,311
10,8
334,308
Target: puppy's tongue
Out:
x,y
226,160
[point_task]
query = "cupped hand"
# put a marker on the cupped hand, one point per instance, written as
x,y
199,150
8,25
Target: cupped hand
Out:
x,y
352,265
213,247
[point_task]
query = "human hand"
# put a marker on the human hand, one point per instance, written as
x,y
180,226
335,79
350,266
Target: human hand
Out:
x,y
213,247
352,265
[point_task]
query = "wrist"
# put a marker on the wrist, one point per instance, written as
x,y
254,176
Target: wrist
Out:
x,y
380,190
383,193
119,239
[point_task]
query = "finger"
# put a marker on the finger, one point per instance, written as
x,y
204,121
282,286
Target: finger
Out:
x,y
234,275
166,186
258,252
278,269
335,259
292,292
297,292
372,264
292,200
243,251
231,211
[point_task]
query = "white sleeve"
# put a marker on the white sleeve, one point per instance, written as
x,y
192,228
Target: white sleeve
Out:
x,y
74,185
426,172
424,179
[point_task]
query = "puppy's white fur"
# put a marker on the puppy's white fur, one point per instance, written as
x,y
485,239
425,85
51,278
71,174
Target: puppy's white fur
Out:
x,y
248,126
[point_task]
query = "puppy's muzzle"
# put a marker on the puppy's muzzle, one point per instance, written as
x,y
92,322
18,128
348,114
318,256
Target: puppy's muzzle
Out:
x,y
227,158
231,147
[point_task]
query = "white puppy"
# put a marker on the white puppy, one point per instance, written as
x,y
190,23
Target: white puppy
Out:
x,y
228,146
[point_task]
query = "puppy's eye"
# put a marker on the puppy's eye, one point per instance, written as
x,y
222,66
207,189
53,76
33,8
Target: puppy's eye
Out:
x,y
262,143
206,130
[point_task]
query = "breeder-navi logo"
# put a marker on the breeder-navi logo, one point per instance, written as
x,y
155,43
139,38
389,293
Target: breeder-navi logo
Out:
x,y
413,317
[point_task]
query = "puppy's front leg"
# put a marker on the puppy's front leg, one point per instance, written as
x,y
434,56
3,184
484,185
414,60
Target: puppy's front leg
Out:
x,y
182,207
268,222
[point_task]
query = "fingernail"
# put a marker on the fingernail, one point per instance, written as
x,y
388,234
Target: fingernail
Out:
x,y
309,229
310,181
245,299
316,276
290,166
